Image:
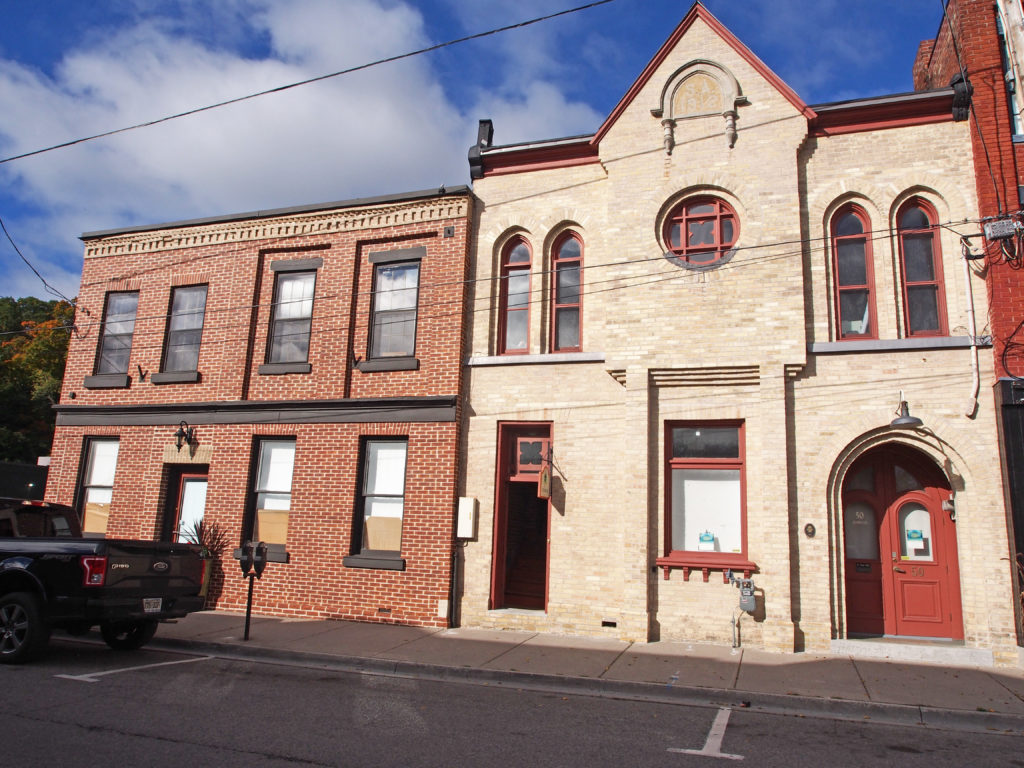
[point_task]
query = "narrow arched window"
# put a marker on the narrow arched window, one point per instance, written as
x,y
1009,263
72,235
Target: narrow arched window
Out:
x,y
853,276
515,297
924,301
566,307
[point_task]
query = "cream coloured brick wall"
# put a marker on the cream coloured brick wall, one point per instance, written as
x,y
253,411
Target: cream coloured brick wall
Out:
x,y
663,344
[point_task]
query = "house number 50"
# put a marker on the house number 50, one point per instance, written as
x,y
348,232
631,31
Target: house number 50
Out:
x,y
917,571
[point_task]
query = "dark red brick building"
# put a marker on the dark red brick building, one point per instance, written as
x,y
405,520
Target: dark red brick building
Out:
x,y
290,376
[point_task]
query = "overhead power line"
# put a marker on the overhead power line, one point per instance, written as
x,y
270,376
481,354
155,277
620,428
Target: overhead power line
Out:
x,y
308,81
17,250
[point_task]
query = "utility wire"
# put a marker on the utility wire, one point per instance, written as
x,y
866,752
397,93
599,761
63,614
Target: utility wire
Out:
x,y
815,244
17,250
310,80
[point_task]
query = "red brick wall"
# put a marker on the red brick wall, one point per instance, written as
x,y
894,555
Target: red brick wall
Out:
x,y
998,176
325,478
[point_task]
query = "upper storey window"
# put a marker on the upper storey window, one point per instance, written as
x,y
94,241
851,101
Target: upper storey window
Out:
x,y
853,277
924,302
515,297
701,231
567,268
395,291
118,329
184,329
292,318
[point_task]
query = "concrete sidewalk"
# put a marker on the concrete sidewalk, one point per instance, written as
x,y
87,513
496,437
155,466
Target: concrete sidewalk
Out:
x,y
834,686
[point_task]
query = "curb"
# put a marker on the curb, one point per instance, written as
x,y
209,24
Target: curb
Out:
x,y
765,703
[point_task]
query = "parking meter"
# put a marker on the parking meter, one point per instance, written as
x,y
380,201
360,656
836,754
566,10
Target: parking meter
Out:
x,y
246,557
259,557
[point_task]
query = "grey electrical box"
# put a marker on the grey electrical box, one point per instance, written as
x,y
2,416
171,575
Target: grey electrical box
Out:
x,y
748,602
1000,229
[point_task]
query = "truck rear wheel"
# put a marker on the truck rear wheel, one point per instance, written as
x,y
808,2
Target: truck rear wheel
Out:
x,y
23,632
128,635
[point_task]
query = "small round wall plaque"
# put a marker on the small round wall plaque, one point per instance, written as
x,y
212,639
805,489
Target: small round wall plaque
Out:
x,y
809,530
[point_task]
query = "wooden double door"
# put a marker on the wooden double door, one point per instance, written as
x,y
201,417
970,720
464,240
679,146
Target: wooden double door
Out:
x,y
902,572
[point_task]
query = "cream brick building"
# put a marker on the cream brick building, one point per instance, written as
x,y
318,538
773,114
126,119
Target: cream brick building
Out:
x,y
699,322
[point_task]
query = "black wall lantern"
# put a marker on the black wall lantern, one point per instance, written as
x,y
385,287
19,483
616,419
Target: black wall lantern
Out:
x,y
185,435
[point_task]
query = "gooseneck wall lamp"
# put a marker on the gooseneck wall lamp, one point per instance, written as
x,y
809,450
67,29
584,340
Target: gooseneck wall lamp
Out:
x,y
185,435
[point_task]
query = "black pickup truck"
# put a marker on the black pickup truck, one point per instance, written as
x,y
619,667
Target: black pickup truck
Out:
x,y
53,578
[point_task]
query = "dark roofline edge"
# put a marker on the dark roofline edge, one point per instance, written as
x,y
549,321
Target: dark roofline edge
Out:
x,y
906,97
422,194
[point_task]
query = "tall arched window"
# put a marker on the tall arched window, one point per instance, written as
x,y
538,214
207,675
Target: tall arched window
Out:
x,y
515,297
924,301
852,272
566,308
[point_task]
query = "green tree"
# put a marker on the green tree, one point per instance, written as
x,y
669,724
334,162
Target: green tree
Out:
x,y
33,351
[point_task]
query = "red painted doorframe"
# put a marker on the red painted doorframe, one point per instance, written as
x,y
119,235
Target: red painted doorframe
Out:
x,y
895,594
505,468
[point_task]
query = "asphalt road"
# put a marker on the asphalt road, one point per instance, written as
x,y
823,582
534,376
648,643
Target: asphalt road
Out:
x,y
86,705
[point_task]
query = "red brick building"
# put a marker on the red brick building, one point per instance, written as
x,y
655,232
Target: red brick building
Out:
x,y
290,376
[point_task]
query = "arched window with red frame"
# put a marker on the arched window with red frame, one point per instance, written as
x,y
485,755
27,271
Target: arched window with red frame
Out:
x,y
924,300
515,298
853,275
701,231
566,306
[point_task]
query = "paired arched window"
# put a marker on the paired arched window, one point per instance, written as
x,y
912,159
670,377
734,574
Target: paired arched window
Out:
x,y
700,231
920,271
924,301
566,334
514,297
853,274
566,307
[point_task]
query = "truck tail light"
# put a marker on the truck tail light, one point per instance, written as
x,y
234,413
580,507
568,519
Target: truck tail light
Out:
x,y
94,569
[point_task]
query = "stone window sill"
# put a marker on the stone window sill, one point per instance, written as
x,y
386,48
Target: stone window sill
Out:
x,y
107,381
180,377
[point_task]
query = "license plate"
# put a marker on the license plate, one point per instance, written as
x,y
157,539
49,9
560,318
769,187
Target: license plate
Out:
x,y
152,604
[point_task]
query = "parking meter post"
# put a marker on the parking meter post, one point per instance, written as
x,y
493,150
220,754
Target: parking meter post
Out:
x,y
248,606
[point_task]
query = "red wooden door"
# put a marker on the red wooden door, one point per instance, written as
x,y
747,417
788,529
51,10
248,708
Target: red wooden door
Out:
x,y
922,577
902,573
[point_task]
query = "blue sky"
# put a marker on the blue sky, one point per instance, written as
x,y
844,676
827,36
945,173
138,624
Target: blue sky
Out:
x,y
70,69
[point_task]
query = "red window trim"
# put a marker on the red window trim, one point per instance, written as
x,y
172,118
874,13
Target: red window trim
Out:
x,y
679,215
705,561
506,268
869,269
556,262
938,282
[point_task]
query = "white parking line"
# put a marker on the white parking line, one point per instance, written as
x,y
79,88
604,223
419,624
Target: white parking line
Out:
x,y
713,745
95,676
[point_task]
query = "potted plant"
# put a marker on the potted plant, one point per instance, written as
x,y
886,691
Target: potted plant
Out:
x,y
212,542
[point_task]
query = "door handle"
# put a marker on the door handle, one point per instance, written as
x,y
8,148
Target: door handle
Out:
x,y
898,570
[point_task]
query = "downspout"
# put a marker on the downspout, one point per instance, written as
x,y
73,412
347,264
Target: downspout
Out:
x,y
972,328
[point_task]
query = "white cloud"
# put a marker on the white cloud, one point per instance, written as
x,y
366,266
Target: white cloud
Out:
x,y
387,129
539,111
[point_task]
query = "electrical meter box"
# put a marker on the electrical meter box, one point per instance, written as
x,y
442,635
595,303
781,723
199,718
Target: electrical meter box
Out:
x,y
748,602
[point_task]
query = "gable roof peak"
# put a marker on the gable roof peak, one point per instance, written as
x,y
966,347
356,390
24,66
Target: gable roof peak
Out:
x,y
699,11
